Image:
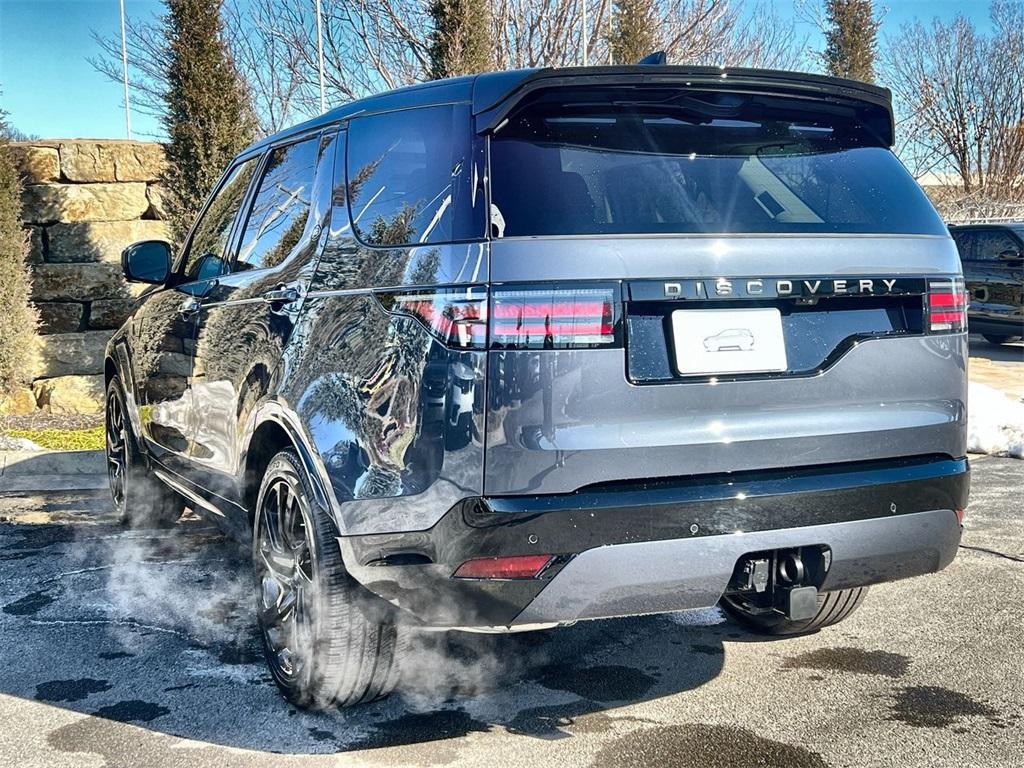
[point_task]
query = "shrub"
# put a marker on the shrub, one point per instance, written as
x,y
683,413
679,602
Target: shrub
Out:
x,y
18,319
208,115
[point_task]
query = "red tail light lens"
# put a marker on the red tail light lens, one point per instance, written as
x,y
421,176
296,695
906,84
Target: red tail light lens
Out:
x,y
553,319
947,306
455,318
514,567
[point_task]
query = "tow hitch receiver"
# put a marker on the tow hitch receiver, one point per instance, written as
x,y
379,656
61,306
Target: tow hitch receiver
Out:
x,y
782,581
803,603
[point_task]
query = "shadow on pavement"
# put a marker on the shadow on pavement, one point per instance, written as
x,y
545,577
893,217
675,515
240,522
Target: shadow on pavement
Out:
x,y
154,628
999,353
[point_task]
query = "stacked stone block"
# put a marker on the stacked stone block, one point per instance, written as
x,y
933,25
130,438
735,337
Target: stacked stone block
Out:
x,y
84,201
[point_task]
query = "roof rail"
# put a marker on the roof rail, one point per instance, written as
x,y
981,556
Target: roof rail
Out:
x,y
656,59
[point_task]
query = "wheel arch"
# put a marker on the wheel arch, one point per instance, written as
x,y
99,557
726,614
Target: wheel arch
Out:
x,y
273,430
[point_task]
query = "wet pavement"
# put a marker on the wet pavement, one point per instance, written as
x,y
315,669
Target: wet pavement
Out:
x,y
130,648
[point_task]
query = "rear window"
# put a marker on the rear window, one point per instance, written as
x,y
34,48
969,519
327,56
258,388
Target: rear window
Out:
x,y
678,162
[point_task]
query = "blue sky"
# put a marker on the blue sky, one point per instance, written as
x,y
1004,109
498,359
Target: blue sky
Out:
x,y
50,90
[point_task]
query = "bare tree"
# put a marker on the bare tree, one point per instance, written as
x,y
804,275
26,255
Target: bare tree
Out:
x,y
376,45
273,70
961,98
148,59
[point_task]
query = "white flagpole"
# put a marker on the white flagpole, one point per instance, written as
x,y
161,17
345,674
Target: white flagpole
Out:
x,y
124,69
320,56
584,2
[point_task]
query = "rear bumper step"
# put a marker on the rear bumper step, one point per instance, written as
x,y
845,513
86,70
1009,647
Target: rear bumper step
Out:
x,y
660,576
668,544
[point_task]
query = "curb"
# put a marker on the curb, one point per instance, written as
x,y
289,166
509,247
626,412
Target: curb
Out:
x,y
42,471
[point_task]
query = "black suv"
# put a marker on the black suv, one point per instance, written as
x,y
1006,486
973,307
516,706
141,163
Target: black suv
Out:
x,y
993,263
513,350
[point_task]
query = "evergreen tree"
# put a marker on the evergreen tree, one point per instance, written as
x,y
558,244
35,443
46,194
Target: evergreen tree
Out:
x,y
851,39
634,30
18,319
461,42
208,116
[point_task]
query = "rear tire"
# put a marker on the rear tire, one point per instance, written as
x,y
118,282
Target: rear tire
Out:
x,y
327,640
993,339
140,498
833,607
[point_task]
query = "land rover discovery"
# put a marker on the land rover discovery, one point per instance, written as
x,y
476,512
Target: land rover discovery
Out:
x,y
514,350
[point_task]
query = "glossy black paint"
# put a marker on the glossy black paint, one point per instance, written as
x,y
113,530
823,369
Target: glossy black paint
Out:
x,y
995,281
245,323
817,334
395,565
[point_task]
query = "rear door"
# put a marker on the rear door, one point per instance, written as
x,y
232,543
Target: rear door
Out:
x,y
247,317
691,282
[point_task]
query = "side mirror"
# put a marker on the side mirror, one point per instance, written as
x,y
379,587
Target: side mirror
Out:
x,y
148,261
1010,254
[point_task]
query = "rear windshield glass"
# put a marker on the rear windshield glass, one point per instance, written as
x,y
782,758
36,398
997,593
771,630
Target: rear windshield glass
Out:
x,y
679,163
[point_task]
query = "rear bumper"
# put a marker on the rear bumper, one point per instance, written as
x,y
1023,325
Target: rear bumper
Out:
x,y
994,326
667,545
660,576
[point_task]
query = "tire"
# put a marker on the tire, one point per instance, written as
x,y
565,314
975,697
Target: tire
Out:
x,y
326,639
993,339
833,607
141,499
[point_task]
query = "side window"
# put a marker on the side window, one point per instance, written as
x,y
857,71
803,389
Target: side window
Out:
x,y
411,178
989,243
207,255
964,240
281,206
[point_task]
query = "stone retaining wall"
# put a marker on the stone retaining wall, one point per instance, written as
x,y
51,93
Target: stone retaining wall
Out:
x,y
84,201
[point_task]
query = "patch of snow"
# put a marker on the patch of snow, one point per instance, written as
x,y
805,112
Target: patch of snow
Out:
x,y
995,423
8,443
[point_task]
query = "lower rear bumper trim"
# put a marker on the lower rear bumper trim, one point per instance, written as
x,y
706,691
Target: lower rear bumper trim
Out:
x,y
681,574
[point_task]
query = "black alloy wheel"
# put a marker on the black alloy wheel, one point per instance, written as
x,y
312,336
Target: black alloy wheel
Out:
x,y
117,449
327,640
284,568
140,498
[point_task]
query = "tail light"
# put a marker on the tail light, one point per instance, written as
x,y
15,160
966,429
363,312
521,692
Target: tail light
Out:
x,y
947,306
520,318
456,318
537,318
514,567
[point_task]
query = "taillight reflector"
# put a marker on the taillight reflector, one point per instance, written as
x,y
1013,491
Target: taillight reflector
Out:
x,y
457,318
513,567
549,319
947,306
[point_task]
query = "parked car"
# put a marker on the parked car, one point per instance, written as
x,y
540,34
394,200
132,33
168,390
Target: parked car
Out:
x,y
993,264
439,353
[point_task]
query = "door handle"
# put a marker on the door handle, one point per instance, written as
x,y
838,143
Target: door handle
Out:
x,y
283,294
189,306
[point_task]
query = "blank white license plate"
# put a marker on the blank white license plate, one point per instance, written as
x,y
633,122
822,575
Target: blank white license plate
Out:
x,y
713,341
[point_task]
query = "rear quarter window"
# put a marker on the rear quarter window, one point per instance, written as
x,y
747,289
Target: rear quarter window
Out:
x,y
410,177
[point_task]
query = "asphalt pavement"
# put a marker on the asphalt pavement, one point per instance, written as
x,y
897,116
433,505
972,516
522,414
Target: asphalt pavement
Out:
x,y
136,648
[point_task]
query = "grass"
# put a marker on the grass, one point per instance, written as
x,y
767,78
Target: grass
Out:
x,y
90,439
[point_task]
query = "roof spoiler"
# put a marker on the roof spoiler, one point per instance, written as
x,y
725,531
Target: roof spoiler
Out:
x,y
496,96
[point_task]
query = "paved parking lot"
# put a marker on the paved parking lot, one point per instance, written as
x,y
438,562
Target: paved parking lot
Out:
x,y
129,648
